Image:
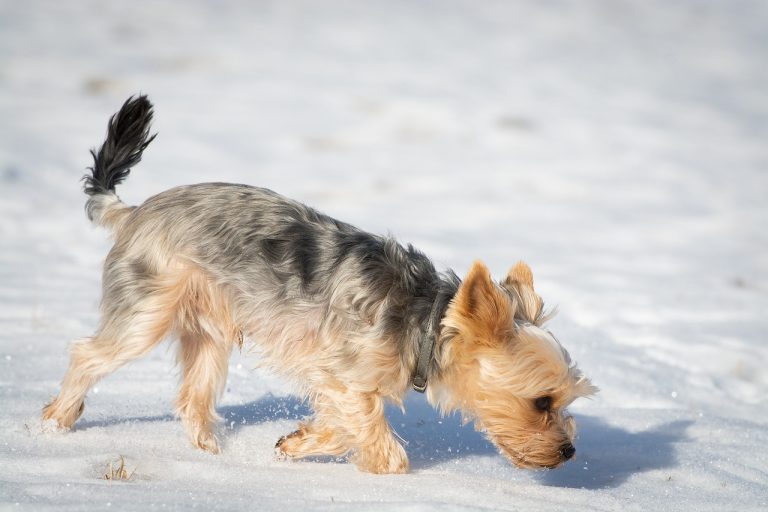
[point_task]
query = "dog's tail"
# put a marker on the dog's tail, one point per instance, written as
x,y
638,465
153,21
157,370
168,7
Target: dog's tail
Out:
x,y
127,137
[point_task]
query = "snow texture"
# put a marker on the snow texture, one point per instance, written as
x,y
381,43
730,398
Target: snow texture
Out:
x,y
618,147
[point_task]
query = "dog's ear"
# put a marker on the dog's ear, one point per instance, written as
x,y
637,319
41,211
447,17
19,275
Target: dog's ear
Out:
x,y
521,274
483,307
519,282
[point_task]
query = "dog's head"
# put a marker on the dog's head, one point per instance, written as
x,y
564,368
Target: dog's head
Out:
x,y
502,370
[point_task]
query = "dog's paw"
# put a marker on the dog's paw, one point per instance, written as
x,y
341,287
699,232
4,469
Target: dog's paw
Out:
x,y
387,459
207,441
282,447
47,426
280,454
58,418
51,426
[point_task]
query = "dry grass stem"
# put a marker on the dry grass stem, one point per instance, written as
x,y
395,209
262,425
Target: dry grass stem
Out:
x,y
119,473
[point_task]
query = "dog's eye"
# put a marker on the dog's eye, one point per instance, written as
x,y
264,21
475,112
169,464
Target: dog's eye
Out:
x,y
543,403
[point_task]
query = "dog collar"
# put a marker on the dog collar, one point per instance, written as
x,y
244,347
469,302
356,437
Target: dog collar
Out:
x,y
427,344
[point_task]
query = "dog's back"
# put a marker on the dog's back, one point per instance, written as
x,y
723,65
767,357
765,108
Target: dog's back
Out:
x,y
274,259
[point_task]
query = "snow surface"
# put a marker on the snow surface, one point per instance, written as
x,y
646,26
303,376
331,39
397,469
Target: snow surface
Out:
x,y
618,147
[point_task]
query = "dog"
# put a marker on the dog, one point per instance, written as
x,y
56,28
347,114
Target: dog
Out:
x,y
353,319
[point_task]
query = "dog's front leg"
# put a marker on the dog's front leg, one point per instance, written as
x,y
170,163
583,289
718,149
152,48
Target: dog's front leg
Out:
x,y
348,422
376,449
372,441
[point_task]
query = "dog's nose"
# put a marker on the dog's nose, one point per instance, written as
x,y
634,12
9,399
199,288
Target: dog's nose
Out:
x,y
568,451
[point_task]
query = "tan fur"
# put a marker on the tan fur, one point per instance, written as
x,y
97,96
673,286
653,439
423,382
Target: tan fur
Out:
x,y
185,302
116,343
496,369
204,321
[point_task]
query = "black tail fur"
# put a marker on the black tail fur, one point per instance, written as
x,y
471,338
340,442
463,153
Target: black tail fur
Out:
x,y
127,137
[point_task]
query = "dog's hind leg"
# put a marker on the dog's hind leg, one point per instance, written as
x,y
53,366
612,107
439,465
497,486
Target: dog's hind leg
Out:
x,y
130,328
207,335
204,362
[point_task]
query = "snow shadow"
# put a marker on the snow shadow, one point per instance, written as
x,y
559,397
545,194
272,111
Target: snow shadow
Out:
x,y
120,420
266,408
606,456
432,439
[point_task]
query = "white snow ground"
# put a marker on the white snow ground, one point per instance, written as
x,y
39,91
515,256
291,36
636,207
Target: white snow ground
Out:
x,y
618,147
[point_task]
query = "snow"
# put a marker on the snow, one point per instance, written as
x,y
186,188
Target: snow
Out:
x,y
618,147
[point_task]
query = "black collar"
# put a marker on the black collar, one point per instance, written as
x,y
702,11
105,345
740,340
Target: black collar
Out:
x,y
427,343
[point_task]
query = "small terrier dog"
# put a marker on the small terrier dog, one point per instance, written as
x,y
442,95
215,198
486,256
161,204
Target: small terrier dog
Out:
x,y
352,318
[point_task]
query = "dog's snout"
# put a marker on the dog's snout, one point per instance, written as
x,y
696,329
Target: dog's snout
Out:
x,y
568,451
